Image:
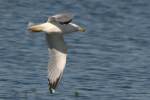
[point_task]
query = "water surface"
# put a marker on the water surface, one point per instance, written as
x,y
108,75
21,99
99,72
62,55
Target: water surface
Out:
x,y
110,61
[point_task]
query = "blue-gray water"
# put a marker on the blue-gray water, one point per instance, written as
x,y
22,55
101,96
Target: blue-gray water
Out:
x,y
110,61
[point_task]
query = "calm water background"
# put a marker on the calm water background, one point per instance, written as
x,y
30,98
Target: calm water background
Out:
x,y
110,61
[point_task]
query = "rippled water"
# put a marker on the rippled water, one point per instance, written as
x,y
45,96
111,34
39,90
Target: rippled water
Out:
x,y
110,61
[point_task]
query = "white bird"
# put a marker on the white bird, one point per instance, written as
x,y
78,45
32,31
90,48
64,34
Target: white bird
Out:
x,y
55,28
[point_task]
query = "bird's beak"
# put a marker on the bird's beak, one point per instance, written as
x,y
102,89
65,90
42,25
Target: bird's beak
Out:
x,y
81,29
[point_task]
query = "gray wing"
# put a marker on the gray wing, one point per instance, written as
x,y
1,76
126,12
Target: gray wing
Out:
x,y
63,18
56,65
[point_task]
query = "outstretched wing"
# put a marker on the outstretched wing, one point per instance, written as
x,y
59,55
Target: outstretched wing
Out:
x,y
63,18
58,53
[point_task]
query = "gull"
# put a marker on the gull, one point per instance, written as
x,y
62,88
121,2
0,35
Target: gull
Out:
x,y
55,28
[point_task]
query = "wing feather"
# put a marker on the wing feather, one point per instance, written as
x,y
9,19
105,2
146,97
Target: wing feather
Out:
x,y
63,18
58,53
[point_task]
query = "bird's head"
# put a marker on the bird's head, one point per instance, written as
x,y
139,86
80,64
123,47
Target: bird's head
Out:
x,y
70,28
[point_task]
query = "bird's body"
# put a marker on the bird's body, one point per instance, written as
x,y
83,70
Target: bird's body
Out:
x,y
55,28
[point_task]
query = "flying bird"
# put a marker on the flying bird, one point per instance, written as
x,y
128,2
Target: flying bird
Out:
x,y
55,28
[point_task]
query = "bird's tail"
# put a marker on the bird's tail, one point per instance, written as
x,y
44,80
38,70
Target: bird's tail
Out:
x,y
36,27
30,24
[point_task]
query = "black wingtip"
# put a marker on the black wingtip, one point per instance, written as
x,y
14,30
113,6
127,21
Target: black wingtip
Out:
x,y
52,86
51,90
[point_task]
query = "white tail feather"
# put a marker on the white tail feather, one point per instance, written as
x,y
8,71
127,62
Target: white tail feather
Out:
x,y
30,24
